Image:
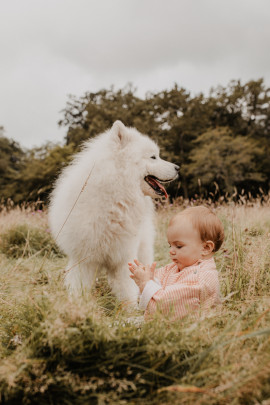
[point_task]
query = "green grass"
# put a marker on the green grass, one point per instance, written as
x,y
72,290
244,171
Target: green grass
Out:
x,y
57,350
24,241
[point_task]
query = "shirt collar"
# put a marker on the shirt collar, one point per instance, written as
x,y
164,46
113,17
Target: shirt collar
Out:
x,y
200,261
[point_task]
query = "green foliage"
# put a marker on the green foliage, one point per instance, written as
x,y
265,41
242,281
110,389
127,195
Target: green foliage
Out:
x,y
96,112
22,240
228,160
178,122
38,171
11,156
235,118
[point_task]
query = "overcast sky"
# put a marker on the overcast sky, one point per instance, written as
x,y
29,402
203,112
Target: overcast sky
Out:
x,y
52,48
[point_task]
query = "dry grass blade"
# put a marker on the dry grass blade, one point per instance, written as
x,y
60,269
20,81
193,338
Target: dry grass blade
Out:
x,y
77,199
182,388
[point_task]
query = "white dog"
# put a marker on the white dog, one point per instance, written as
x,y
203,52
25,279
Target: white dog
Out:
x,y
101,213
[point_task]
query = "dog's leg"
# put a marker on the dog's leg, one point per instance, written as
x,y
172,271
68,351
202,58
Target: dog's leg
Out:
x,y
146,246
80,277
146,252
122,285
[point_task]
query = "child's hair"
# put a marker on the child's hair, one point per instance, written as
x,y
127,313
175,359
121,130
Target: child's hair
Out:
x,y
206,222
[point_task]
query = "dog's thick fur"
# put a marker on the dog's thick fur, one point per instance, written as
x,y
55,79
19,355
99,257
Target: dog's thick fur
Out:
x,y
101,211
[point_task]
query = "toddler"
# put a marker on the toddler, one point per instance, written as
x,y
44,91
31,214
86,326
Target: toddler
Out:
x,y
190,282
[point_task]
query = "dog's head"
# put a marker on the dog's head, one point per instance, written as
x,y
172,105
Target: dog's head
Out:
x,y
141,156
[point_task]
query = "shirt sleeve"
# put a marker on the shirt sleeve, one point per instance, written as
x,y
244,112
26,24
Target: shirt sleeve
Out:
x,y
178,299
162,271
151,287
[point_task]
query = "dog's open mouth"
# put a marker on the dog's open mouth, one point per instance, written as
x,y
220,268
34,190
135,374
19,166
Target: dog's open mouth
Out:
x,y
156,186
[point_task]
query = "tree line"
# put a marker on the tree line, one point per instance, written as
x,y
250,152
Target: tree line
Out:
x,y
221,141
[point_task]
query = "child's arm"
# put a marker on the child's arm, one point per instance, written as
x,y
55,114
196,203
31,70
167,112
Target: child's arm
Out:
x,y
148,280
178,299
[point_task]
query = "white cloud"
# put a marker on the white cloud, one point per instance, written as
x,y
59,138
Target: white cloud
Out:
x,y
52,48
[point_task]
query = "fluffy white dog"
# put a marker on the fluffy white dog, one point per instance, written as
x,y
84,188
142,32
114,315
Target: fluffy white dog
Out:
x,y
101,211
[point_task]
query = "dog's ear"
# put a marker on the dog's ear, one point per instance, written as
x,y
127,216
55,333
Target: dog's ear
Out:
x,y
120,133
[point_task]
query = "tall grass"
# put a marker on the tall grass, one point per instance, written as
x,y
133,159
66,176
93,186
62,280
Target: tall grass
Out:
x,y
58,350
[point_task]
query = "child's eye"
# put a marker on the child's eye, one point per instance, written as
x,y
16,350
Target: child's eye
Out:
x,y
179,247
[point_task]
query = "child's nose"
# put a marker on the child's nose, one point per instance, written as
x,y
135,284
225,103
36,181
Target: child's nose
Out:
x,y
172,252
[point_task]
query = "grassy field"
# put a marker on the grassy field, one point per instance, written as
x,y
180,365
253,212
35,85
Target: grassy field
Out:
x,y
93,350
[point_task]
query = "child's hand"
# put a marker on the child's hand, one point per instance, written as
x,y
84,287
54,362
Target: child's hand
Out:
x,y
141,274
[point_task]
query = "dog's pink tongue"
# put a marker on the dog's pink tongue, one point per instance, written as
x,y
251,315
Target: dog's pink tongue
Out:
x,y
162,188
164,191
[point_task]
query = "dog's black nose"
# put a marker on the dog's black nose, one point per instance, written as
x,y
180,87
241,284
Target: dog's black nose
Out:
x,y
177,168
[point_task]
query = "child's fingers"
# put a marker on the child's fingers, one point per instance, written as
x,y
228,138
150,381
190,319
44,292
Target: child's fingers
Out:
x,y
132,269
132,266
152,268
139,264
136,261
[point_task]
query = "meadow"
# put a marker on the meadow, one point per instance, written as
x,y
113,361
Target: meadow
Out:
x,y
59,350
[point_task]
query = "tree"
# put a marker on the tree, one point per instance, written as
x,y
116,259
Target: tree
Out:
x,y
224,137
94,113
40,169
175,120
227,159
180,118
11,157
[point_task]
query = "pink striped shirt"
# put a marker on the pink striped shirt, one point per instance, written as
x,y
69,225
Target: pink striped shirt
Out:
x,y
178,293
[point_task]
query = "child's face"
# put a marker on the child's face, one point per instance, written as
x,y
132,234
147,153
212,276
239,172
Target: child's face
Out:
x,y
186,246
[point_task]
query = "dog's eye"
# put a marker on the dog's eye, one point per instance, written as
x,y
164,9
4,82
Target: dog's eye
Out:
x,y
153,157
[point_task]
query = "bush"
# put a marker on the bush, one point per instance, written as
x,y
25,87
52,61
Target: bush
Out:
x,y
24,241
